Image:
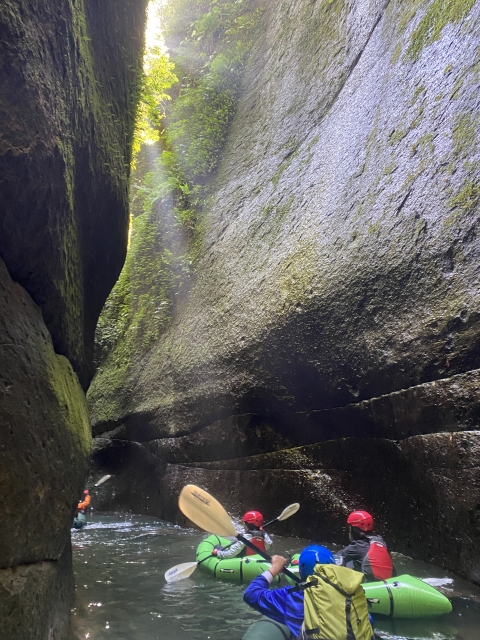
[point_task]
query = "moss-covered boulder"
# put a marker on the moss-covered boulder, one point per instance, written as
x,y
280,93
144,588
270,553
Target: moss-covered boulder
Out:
x,y
335,289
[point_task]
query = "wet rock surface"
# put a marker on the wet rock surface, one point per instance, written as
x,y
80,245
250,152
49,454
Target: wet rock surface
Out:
x,y
44,457
336,299
68,85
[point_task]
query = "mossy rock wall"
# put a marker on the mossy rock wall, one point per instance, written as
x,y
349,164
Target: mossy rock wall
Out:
x,y
69,76
336,293
44,457
69,79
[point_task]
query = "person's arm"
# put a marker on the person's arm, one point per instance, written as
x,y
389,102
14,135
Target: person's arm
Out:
x,y
269,603
231,552
267,540
353,555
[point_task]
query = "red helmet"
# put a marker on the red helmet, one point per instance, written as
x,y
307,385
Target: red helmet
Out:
x,y
86,491
253,517
361,519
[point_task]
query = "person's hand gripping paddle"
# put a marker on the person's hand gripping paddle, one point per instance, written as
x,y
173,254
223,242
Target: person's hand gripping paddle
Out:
x,y
208,514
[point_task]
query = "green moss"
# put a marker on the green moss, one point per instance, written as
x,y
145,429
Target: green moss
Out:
x,y
417,93
423,143
397,52
71,399
324,28
456,88
374,228
438,15
390,168
464,134
297,272
284,165
466,201
270,219
216,41
418,118
397,136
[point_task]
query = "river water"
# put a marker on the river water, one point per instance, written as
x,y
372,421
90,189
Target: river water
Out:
x,y
121,593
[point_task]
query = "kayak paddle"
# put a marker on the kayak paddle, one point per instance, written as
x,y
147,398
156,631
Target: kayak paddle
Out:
x,y
208,514
185,570
286,513
102,480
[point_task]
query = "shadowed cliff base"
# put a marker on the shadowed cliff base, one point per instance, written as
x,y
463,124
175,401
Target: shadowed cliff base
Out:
x,y
416,457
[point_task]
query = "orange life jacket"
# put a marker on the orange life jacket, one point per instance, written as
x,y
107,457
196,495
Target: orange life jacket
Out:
x,y
84,504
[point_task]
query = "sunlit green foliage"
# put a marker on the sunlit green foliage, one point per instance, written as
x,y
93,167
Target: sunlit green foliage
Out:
x,y
158,77
216,39
186,105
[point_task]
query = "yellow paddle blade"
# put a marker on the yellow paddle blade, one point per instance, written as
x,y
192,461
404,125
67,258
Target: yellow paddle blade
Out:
x,y
204,511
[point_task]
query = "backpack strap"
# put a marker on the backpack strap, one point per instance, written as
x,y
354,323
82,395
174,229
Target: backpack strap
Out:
x,y
301,586
348,607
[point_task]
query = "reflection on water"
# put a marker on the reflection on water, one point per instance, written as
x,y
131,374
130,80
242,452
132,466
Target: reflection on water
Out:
x,y
122,595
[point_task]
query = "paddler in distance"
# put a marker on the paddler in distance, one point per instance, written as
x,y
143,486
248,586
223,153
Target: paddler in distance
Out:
x,y
83,504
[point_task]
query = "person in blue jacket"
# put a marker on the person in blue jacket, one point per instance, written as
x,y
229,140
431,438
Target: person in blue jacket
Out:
x,y
285,605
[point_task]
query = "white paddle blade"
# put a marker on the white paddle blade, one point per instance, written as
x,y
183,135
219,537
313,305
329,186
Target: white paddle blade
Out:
x,y
289,511
102,480
180,571
204,511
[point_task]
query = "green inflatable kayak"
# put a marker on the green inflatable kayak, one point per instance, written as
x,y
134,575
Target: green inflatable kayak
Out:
x,y
79,521
242,570
406,597
401,597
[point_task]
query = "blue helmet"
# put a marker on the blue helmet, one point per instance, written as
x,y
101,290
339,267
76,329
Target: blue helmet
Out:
x,y
312,555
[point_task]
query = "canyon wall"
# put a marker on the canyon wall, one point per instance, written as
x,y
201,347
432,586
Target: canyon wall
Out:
x,y
69,78
326,349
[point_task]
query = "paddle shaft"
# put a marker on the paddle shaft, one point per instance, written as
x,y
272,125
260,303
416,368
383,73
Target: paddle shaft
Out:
x,y
265,525
266,557
270,522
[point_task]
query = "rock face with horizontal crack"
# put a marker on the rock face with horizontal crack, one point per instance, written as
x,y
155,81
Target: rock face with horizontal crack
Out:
x,y
68,85
327,351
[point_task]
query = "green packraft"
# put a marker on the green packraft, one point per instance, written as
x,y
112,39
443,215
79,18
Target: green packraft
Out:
x,y
335,608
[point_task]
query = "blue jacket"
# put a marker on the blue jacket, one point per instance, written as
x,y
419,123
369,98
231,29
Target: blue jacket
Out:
x,y
282,605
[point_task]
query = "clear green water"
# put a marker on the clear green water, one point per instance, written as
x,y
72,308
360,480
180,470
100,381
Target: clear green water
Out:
x,y
122,595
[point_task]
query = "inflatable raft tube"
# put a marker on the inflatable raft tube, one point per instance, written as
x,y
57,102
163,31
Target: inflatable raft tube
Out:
x,y
401,597
406,597
240,570
266,629
79,521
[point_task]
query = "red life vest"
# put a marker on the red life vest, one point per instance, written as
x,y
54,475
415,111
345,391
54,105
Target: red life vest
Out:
x,y
258,541
377,564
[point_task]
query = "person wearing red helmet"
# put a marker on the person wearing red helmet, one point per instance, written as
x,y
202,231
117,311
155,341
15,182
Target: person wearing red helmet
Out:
x,y
83,504
366,552
252,522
